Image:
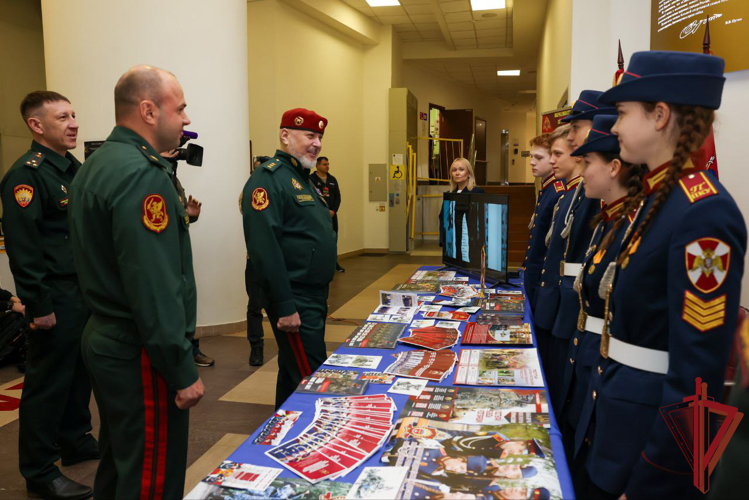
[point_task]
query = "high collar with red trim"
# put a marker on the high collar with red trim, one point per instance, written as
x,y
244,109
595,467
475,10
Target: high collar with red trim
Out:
x,y
654,179
612,211
572,183
548,182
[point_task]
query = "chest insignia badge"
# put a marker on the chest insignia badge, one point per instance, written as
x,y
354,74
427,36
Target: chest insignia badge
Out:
x,y
296,184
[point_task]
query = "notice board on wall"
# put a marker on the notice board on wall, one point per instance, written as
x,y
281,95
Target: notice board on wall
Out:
x,y
680,25
550,120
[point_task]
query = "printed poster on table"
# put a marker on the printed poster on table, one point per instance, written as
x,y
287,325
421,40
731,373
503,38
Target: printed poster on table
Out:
x,y
450,460
480,406
516,367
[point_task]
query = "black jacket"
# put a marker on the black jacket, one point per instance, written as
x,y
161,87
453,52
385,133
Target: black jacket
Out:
x,y
475,190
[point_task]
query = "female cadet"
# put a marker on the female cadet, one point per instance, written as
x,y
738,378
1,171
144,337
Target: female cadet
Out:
x,y
614,182
676,294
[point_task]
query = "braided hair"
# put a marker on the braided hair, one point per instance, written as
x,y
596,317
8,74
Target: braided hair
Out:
x,y
694,124
630,177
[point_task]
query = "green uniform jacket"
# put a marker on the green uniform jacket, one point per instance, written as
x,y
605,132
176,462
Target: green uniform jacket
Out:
x,y
132,248
288,232
35,223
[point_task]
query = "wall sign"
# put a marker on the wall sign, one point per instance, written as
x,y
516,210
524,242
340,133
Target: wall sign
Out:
x,y
680,25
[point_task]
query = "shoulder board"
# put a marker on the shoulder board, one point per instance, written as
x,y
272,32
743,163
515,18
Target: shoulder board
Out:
x,y
272,165
151,158
697,186
33,159
559,186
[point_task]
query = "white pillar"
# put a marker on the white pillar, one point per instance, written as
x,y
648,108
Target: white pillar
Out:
x,y
88,44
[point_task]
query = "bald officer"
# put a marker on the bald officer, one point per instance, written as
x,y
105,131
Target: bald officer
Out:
x,y
132,249
292,248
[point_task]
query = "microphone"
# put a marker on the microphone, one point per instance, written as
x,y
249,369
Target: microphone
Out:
x,y
190,135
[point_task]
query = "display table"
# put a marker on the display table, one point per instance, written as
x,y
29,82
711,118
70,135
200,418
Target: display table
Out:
x,y
255,454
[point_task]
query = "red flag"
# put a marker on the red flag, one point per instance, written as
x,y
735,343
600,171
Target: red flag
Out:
x,y
706,158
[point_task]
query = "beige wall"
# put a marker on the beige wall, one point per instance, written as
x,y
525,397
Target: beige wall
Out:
x,y
554,57
296,61
22,63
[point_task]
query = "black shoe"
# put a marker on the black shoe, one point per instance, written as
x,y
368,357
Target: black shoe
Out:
x,y
339,269
81,456
62,488
203,360
256,356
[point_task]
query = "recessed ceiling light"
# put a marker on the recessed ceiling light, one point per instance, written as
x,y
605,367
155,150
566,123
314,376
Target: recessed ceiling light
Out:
x,y
486,4
385,3
508,72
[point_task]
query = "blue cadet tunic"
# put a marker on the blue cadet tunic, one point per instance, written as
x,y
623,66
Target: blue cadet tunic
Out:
x,y
551,191
547,295
577,235
674,306
585,348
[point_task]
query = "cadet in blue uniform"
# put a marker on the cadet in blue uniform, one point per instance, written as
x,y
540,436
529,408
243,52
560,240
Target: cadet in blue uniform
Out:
x,y
551,190
614,182
576,233
676,294
292,248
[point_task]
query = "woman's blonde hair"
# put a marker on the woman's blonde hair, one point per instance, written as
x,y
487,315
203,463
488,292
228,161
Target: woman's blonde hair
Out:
x,y
471,177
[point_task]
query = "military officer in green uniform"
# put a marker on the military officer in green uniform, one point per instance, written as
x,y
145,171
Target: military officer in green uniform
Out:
x,y
54,419
131,245
292,248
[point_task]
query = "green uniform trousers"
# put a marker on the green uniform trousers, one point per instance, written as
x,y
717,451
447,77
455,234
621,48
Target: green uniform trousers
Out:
x,y
143,437
300,354
54,418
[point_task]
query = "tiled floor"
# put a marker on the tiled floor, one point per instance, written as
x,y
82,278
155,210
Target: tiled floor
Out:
x,y
238,398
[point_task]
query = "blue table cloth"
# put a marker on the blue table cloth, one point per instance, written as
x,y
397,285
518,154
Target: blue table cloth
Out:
x,y
255,454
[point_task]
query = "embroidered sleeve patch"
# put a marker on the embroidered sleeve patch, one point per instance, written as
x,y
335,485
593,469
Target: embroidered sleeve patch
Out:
x,y
155,216
260,199
704,315
697,186
24,194
707,261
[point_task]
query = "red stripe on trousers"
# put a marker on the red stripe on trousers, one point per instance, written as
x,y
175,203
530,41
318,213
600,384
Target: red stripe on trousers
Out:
x,y
163,429
155,432
149,444
296,339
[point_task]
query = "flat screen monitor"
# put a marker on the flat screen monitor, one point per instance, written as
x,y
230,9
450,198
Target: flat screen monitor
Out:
x,y
470,222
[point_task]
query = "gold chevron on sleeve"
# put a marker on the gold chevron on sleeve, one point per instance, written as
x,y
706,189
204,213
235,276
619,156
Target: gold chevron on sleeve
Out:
x,y
704,315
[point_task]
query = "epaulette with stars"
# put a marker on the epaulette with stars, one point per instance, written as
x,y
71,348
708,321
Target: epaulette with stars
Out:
x,y
35,159
271,164
152,158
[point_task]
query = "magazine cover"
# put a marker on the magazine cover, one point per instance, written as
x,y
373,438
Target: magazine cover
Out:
x,y
276,428
432,276
492,318
245,476
281,489
335,386
354,361
477,334
375,336
431,365
517,367
451,460
480,406
424,287
378,483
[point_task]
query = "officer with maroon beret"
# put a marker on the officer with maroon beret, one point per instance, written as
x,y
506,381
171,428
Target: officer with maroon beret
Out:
x,y
292,248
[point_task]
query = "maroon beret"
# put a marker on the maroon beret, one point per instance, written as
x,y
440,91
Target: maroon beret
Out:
x,y
304,119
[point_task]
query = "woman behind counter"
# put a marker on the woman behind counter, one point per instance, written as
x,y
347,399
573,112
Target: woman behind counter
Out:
x,y
462,180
